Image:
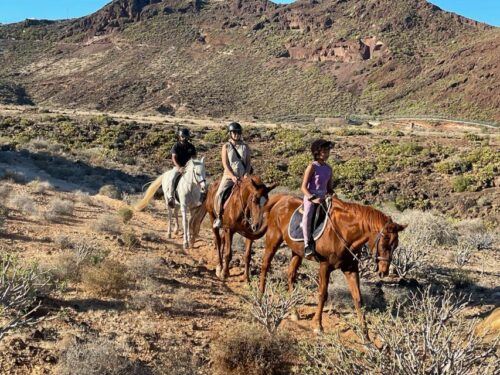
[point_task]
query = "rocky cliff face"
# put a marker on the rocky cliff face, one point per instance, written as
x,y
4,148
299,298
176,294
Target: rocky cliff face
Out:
x,y
258,58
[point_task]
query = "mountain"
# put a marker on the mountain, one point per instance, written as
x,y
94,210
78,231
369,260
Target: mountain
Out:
x,y
256,58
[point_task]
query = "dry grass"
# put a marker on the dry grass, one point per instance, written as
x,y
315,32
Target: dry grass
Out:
x,y
425,334
40,187
249,349
110,191
126,214
427,228
5,191
57,209
25,204
97,356
109,278
107,224
84,198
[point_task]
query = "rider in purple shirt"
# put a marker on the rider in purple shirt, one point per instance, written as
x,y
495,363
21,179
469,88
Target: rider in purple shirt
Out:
x,y
316,184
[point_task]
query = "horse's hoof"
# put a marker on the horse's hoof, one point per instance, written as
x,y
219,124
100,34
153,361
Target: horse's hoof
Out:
x,y
218,270
294,317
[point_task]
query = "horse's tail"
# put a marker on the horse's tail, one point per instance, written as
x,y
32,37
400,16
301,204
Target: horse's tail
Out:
x,y
139,206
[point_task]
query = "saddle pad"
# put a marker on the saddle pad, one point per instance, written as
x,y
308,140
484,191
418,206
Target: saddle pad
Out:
x,y
320,219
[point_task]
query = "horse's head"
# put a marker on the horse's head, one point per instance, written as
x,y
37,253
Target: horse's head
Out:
x,y
384,244
199,173
257,199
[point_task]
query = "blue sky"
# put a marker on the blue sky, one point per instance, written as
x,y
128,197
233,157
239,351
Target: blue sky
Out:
x,y
17,10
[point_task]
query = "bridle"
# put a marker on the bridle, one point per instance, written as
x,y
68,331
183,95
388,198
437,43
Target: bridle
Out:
x,y
247,216
375,256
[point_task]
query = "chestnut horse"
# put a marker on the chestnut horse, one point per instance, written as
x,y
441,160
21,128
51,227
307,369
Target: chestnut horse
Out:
x,y
243,214
349,227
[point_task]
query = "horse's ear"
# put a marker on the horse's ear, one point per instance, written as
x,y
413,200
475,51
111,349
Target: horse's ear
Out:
x,y
400,227
271,187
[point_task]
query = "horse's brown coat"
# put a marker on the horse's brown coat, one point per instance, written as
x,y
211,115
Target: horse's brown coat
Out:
x,y
355,223
243,205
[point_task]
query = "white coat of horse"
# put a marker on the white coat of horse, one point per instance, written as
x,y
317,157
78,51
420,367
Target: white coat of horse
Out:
x,y
190,189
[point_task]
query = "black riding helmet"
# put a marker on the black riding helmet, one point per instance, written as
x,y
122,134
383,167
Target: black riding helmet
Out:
x,y
185,133
234,127
320,144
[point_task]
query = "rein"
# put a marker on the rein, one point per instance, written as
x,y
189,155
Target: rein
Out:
x,y
375,256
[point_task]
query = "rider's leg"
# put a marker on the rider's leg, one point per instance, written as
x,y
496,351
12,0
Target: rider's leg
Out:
x,y
307,219
171,188
225,184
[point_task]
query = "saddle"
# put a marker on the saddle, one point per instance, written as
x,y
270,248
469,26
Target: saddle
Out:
x,y
318,226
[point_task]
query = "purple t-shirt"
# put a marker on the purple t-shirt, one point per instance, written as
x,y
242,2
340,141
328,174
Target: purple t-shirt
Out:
x,y
318,182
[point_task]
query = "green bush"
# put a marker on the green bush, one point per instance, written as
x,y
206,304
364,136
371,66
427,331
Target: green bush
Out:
x,y
216,136
464,183
354,171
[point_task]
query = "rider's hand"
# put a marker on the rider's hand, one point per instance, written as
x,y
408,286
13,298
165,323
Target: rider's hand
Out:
x,y
180,169
246,176
317,200
235,179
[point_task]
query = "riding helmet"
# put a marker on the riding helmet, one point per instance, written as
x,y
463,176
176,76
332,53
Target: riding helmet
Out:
x,y
185,133
234,127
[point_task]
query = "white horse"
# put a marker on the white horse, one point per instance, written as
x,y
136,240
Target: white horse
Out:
x,y
190,189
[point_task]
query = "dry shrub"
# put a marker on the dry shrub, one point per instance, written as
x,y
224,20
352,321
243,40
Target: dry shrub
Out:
x,y
68,265
426,334
63,241
97,356
25,204
19,288
4,214
5,191
110,191
109,278
272,307
107,224
249,349
177,360
476,234
125,213
463,252
183,302
427,228
84,198
58,208
130,240
40,187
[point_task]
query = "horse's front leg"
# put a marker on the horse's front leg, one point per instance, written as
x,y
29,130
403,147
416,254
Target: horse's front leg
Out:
x,y
227,242
352,278
176,218
324,279
185,226
169,219
248,258
292,277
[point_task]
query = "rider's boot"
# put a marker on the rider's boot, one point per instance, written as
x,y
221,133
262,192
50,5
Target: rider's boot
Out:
x,y
310,250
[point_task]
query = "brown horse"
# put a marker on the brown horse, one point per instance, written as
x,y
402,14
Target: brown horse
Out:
x,y
244,214
349,227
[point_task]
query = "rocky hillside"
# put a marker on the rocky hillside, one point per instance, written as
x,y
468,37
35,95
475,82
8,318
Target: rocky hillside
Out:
x,y
256,58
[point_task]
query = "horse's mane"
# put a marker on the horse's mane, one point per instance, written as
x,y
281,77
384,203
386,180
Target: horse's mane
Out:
x,y
370,216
